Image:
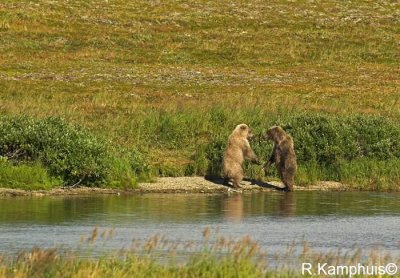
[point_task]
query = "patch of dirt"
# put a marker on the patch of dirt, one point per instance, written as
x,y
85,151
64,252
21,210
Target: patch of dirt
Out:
x,y
176,185
60,191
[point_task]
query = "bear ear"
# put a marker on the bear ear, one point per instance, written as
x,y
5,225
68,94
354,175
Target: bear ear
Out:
x,y
243,127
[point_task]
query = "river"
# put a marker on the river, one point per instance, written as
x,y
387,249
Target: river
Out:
x,y
325,220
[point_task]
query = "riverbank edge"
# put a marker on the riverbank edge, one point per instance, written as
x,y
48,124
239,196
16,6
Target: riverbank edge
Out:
x,y
169,185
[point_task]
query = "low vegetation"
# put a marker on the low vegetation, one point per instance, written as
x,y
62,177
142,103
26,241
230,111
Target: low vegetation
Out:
x,y
25,176
159,257
363,151
42,153
159,86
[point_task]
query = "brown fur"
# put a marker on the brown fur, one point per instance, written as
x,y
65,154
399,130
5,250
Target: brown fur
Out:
x,y
283,155
236,152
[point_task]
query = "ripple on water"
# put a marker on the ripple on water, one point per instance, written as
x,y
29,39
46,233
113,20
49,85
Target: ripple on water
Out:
x,y
326,220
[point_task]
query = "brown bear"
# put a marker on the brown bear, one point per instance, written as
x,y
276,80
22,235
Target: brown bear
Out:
x,y
236,152
283,155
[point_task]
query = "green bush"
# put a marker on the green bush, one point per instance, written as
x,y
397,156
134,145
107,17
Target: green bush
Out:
x,y
326,146
213,153
67,151
140,165
372,174
329,140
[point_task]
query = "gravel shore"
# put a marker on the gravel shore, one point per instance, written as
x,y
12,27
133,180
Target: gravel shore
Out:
x,y
175,185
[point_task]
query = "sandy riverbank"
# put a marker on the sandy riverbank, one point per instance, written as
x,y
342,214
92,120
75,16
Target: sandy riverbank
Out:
x,y
174,185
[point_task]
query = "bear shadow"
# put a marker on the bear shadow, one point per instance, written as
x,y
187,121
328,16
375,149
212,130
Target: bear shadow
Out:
x,y
221,181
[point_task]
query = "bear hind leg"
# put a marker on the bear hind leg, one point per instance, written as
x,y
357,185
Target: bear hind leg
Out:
x,y
237,180
288,181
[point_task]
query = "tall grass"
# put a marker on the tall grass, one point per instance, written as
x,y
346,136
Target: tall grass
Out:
x,y
362,151
26,176
159,257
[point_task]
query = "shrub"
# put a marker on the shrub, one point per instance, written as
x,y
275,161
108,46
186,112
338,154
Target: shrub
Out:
x,y
67,151
208,158
324,145
140,165
329,140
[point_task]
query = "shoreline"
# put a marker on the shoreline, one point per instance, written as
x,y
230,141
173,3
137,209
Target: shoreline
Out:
x,y
171,185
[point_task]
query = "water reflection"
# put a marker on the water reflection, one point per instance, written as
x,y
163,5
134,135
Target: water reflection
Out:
x,y
238,206
233,207
185,208
287,204
324,219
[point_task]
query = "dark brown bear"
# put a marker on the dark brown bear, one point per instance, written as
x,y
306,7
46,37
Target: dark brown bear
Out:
x,y
283,155
236,152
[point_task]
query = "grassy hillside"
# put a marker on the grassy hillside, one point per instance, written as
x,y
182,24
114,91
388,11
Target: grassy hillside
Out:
x,y
167,77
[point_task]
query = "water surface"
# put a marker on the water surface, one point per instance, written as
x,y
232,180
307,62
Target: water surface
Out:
x,y
326,220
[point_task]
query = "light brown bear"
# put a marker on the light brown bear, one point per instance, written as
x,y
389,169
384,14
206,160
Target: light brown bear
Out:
x,y
283,155
236,152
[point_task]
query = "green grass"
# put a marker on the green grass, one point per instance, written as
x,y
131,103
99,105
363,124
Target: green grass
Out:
x,y
166,79
159,257
68,153
30,177
362,151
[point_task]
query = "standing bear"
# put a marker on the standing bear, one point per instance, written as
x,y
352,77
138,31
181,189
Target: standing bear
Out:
x,y
283,155
236,152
